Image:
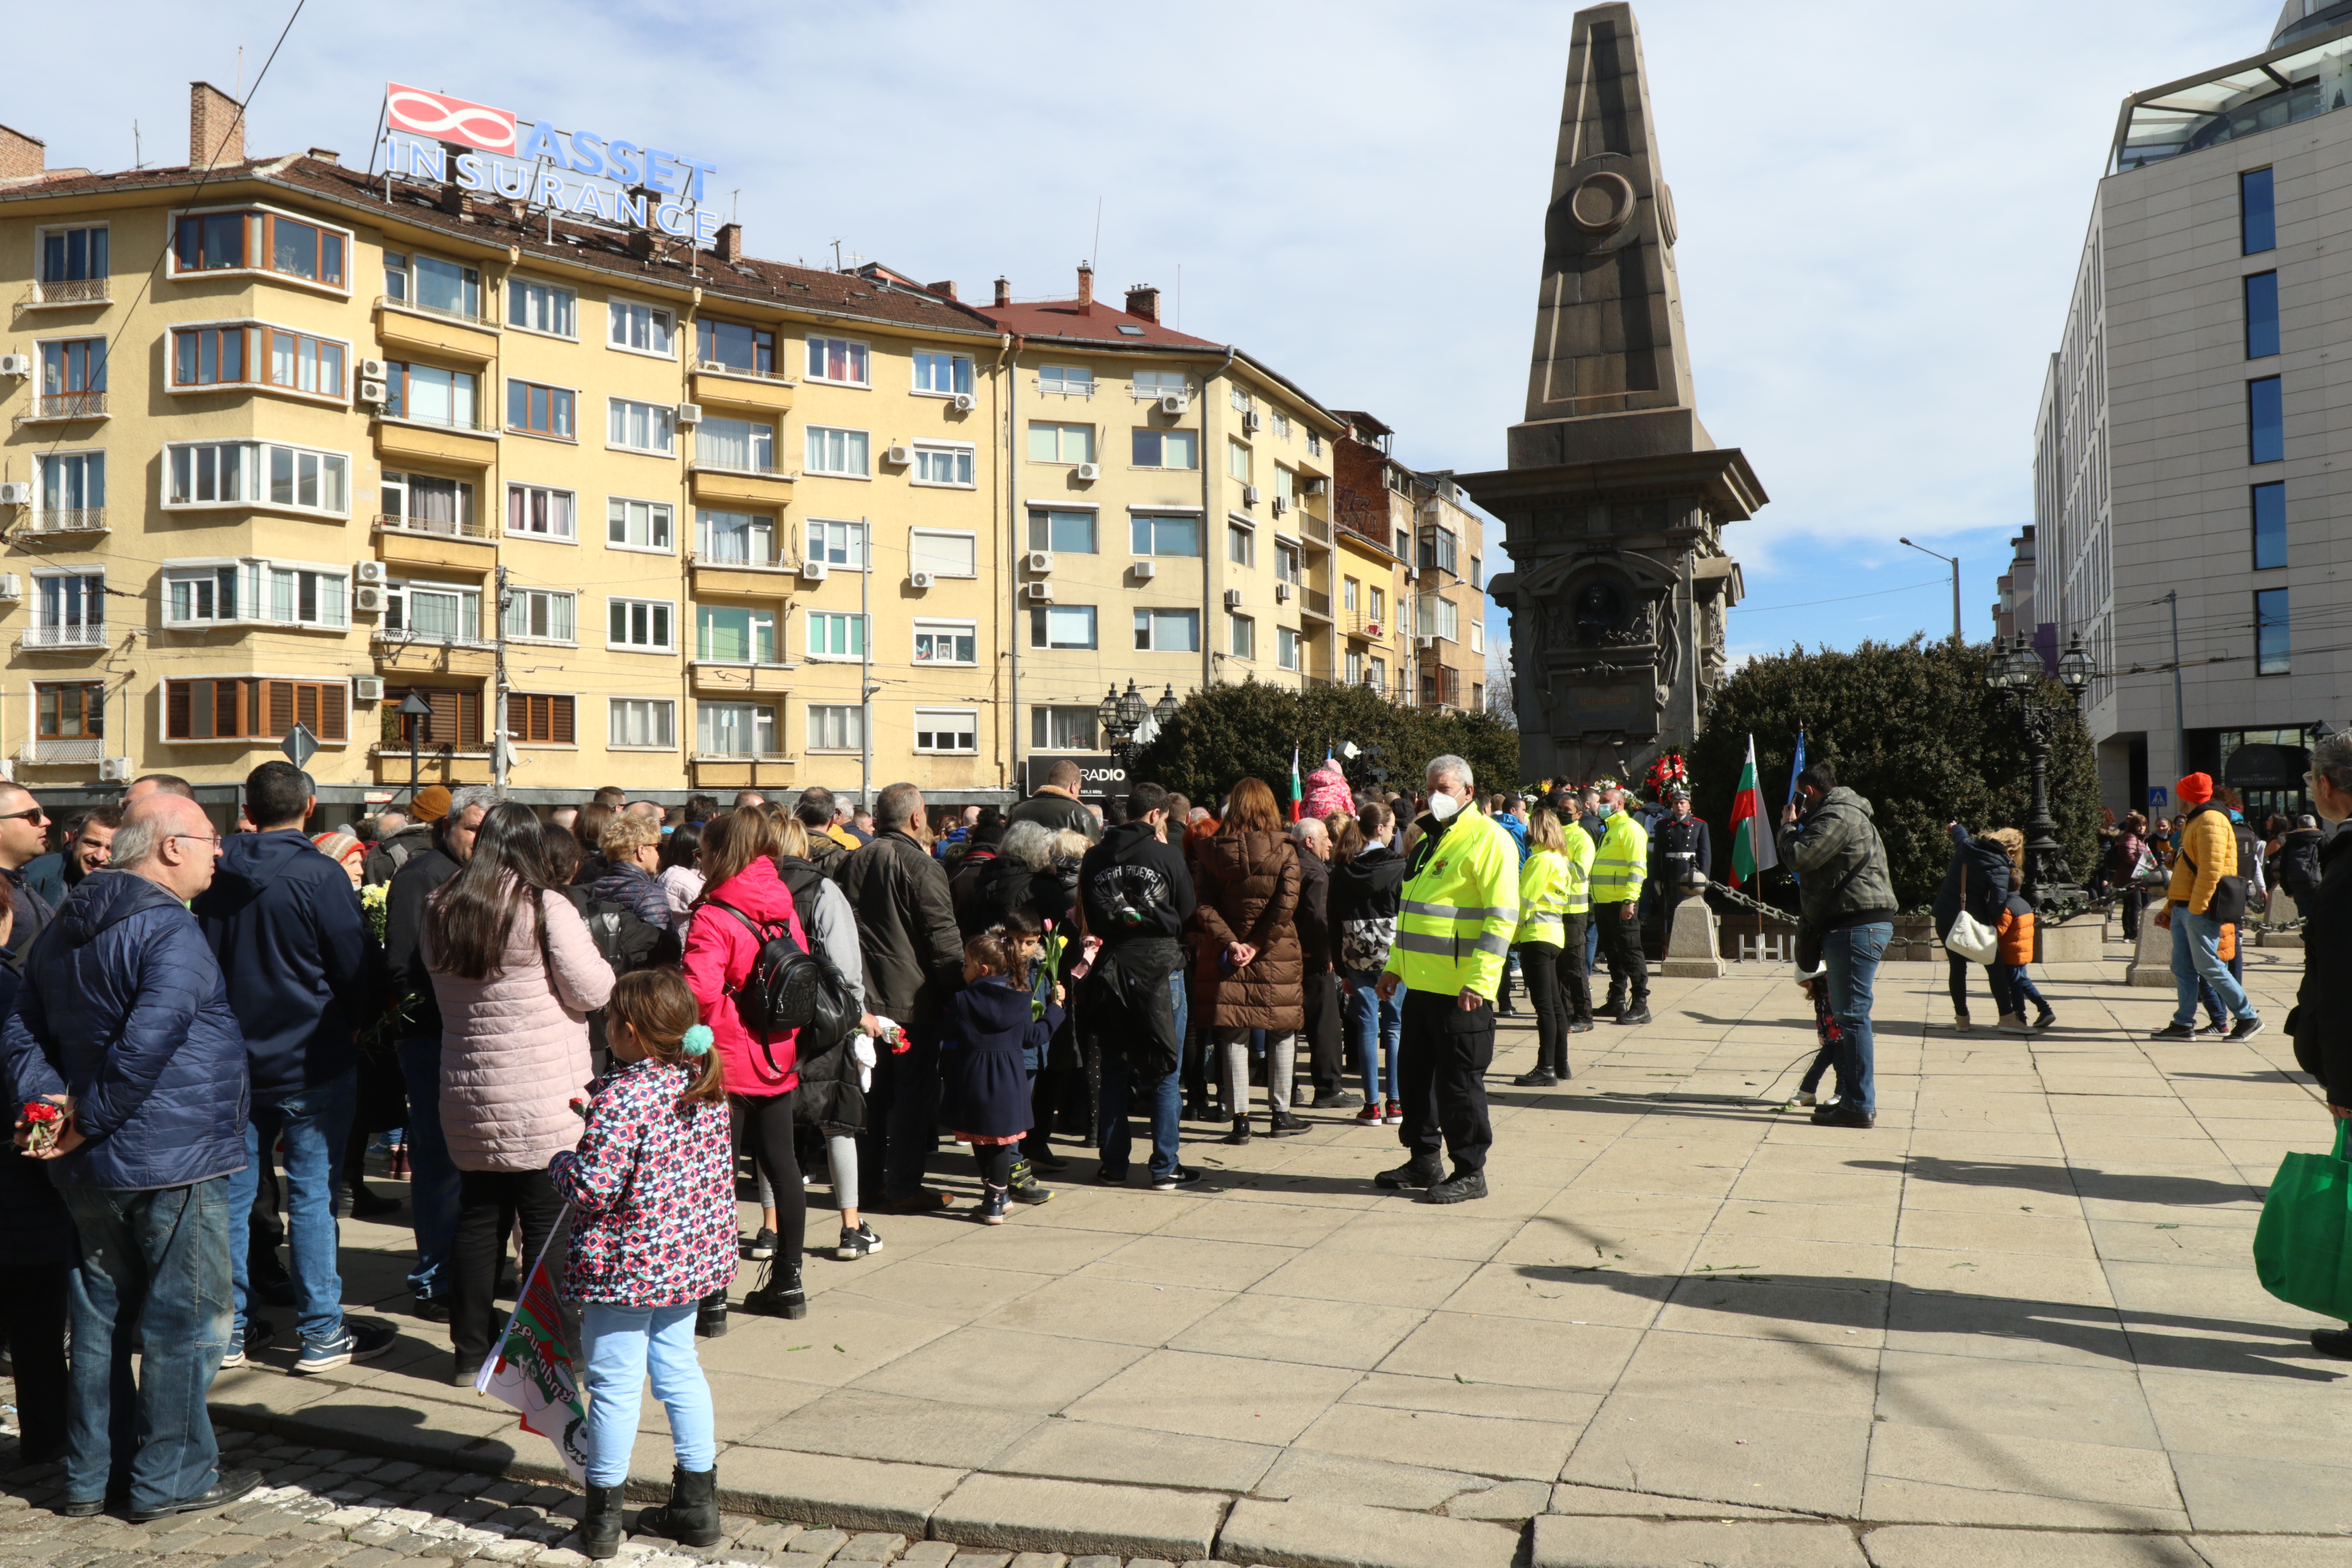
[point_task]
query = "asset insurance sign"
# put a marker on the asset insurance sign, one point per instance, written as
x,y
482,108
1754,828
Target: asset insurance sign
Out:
x,y
577,171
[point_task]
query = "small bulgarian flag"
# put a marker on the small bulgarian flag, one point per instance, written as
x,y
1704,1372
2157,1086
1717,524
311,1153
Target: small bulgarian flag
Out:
x,y
1297,790
1751,835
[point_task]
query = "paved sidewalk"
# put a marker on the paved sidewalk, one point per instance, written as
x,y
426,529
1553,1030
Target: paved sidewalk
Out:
x,y
2024,1299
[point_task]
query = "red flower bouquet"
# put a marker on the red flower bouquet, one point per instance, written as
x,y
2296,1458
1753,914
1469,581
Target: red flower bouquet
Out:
x,y
42,1122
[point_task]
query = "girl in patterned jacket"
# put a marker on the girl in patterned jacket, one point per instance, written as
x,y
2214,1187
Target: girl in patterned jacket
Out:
x,y
652,1190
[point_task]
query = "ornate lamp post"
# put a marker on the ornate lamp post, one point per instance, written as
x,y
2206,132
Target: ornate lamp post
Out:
x,y
1122,714
2016,668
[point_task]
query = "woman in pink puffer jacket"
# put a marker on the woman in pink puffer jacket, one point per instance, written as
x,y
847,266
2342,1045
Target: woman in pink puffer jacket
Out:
x,y
516,974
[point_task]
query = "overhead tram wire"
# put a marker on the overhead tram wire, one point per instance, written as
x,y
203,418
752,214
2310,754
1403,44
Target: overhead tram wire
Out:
x,y
1808,603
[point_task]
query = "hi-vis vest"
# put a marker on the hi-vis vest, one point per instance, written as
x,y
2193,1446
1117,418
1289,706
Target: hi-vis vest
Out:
x,y
1623,862
1460,909
1553,884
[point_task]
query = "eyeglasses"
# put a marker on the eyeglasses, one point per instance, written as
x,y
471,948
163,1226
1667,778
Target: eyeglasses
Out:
x,y
33,814
211,838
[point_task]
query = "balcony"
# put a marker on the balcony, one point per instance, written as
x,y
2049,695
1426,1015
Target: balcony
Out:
x,y
719,483
45,636
727,387
70,291
406,326
424,653
64,408
763,579
1317,529
741,676
460,544
67,520
1314,602
442,765
402,441
1370,627
50,750
1440,687
739,770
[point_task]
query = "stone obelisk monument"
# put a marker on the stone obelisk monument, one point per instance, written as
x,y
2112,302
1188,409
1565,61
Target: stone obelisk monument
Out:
x,y
1615,498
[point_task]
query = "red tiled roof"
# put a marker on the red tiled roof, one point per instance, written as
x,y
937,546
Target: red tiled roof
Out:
x,y
1060,319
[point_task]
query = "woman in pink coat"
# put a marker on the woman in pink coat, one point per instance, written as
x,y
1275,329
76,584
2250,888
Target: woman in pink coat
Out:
x,y
516,974
740,884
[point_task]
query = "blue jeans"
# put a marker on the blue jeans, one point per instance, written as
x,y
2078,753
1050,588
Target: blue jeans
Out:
x,y
1851,954
431,1179
2197,956
1372,1023
620,1345
1166,1101
154,1281
315,1123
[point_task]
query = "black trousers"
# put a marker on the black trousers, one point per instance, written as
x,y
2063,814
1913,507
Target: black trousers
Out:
x,y
1323,1034
1443,1054
1957,966
766,1124
1621,945
32,1304
2135,905
488,1203
1575,983
1540,965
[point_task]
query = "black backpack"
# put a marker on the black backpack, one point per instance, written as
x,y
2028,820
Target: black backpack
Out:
x,y
789,987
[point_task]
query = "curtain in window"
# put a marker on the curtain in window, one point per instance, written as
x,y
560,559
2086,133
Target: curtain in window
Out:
x,y
735,443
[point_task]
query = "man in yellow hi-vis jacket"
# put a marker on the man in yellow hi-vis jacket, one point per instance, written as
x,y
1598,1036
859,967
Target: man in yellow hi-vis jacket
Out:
x,y
1619,868
1461,907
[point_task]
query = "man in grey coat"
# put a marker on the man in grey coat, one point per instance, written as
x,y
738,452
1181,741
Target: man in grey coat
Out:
x,y
1846,898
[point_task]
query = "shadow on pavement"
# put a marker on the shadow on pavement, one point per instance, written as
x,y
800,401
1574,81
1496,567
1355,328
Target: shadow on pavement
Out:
x,y
2082,1181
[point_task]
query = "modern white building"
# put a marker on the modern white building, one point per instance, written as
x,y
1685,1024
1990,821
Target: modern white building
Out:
x,y
2189,497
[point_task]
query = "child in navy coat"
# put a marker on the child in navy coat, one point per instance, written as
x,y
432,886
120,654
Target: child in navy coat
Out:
x,y
994,1032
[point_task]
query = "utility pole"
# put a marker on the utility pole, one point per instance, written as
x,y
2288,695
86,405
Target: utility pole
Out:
x,y
2180,717
866,666
498,739
1954,562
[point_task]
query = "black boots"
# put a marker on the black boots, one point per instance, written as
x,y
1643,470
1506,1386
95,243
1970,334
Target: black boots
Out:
x,y
779,1296
711,1315
600,1526
690,1518
1241,1132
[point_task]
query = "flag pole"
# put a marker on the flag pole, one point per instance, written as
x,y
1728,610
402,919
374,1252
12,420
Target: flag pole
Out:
x,y
522,1288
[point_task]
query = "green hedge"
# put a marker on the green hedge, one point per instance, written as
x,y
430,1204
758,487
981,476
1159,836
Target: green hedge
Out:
x,y
1221,735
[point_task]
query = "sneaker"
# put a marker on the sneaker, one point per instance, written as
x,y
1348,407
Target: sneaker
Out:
x,y
1338,1099
1457,1188
1370,1115
856,1244
2246,1029
2174,1031
1030,1192
1838,1114
258,1337
1580,1025
992,1205
1411,1173
1394,1115
1805,1099
1960,1024
1106,1177
2012,1024
2046,1021
429,1308
1177,1179
762,1246
2213,1030
1541,1078
358,1341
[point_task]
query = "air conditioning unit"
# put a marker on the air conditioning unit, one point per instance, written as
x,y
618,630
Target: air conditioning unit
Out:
x,y
1282,593
1427,643
919,579
1173,402
1039,593
898,456
16,492
367,599
963,403
375,370
114,770
814,571
15,365
1316,487
1249,495
1089,472
12,587
689,413
720,365
1145,571
1233,598
1041,561
367,687
369,571
374,392
1281,505
1250,423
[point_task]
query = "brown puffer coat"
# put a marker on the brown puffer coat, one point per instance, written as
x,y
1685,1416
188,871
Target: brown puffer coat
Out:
x,y
1247,887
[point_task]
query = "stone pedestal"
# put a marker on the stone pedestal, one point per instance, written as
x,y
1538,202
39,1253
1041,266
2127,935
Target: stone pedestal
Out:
x,y
2151,963
2282,911
2076,941
1693,947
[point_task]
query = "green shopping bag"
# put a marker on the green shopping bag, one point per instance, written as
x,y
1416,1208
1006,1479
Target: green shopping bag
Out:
x,y
2303,1248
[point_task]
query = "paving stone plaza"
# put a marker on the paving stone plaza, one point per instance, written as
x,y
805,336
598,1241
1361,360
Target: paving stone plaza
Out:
x,y
2017,1322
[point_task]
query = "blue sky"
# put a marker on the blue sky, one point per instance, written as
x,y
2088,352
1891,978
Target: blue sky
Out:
x,y
1880,206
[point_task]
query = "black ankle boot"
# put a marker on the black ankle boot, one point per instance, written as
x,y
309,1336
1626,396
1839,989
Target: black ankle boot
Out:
x,y
690,1518
600,1526
711,1315
1241,1132
779,1295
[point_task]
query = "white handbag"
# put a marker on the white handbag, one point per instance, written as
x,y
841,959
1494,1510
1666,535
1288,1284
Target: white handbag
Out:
x,y
1969,936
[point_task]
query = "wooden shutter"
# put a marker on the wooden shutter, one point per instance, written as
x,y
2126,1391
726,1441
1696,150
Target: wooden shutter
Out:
x,y
281,708
469,719
536,717
560,720
227,716
178,705
332,703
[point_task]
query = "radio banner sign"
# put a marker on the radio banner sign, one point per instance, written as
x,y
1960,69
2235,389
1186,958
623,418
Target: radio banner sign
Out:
x,y
446,119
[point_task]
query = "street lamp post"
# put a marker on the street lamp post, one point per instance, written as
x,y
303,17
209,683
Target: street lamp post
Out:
x,y
1954,562
1122,714
2016,668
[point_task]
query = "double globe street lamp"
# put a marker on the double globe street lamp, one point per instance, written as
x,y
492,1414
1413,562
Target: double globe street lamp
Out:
x,y
2016,668
1122,715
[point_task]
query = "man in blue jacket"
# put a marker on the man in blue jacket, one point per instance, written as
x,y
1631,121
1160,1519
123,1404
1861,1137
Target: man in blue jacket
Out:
x,y
124,1021
291,937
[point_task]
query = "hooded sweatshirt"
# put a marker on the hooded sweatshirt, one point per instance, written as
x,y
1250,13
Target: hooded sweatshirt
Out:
x,y
292,942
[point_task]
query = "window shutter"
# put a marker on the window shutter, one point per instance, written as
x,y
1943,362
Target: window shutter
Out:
x,y
560,720
176,706
281,706
306,708
469,718
227,714
444,703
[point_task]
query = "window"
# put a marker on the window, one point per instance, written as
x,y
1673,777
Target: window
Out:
x,y
1158,383
936,464
1403,551
72,369
209,356
947,642
955,730
836,728
243,709
1237,459
72,610
197,597
1058,530
1241,639
1353,666
1286,647
1477,574
1439,552
1436,617
540,410
73,256
641,329
72,482
640,625
735,345
255,591
741,446
839,545
537,307
1061,443
1168,631
1314,444
634,722
735,730
832,636
1240,398
2270,526
637,524
1062,625
70,711
1376,672
456,720
540,615
429,395
942,374
261,242
735,538
1349,587
1065,380
1285,562
1241,545
2257,212
1062,729
1378,603
1159,535
844,453
1166,449
301,363
429,283
2265,421
642,428
943,554
2270,632
534,719
1478,636
1280,421
254,473
2261,315
433,612
841,360
427,503
734,634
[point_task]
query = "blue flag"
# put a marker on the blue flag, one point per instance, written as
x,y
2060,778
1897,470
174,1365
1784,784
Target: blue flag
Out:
x,y
1796,768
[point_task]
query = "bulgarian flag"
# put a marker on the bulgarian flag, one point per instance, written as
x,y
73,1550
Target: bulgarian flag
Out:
x,y
1751,835
529,1369
1297,790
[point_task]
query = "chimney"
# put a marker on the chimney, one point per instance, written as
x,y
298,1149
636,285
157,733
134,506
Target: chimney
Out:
x,y
327,155
1003,292
1085,288
1143,300
730,242
215,133
22,157
945,286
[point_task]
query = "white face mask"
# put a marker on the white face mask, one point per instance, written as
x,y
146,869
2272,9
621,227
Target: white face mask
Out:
x,y
1442,807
